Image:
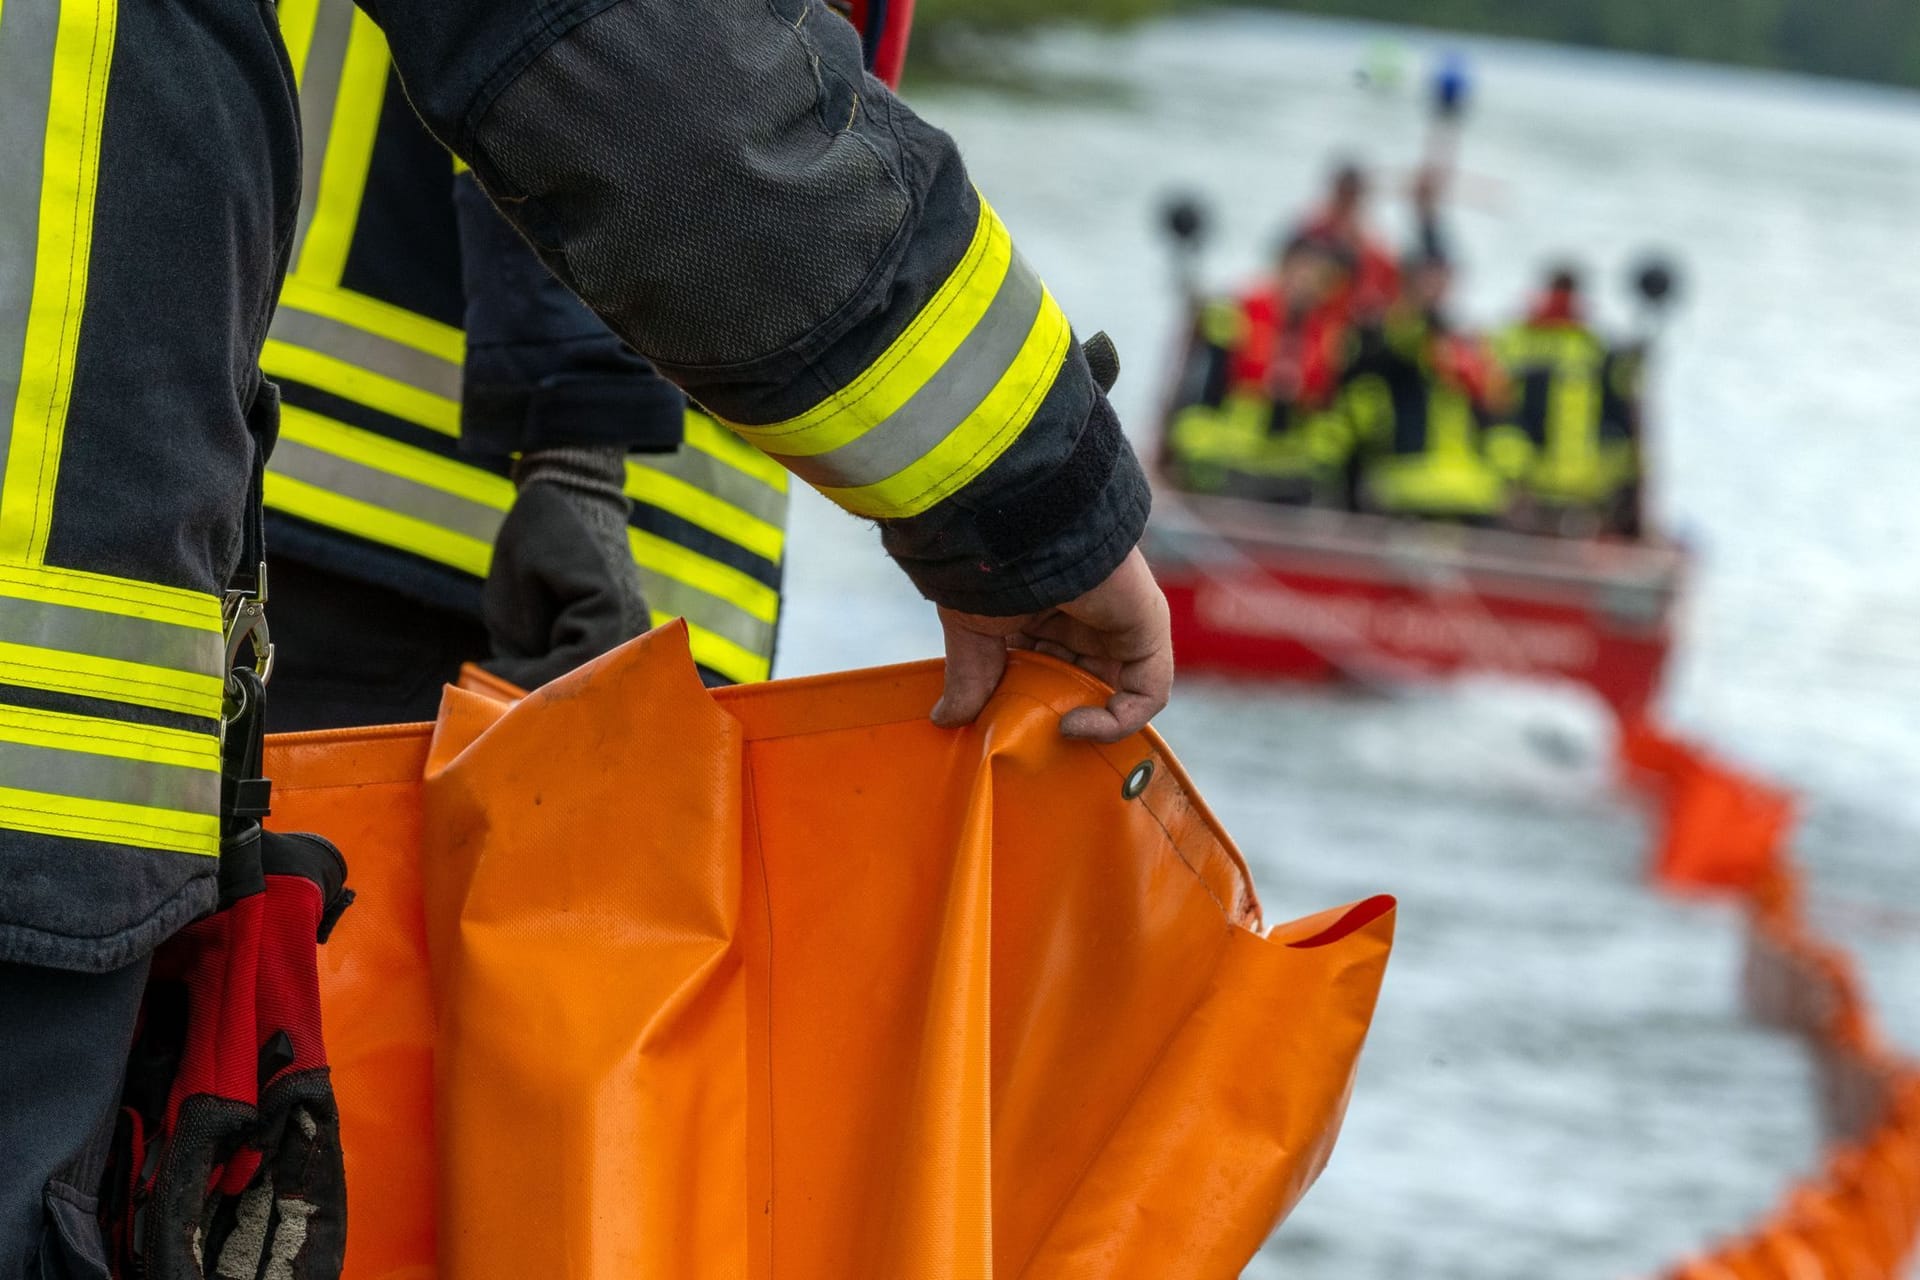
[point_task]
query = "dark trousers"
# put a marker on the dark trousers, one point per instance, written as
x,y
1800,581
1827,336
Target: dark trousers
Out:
x,y
67,1036
349,653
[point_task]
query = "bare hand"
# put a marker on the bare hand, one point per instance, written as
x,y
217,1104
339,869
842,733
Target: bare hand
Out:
x,y
1118,631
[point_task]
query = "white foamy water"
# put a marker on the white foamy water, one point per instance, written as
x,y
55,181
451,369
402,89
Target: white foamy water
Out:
x,y
1559,1082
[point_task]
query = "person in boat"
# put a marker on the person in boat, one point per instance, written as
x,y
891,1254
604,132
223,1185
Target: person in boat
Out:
x,y
1575,404
1341,220
154,176
1414,415
1262,369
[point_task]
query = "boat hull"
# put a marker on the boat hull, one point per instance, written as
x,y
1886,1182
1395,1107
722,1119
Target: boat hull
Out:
x,y
1320,595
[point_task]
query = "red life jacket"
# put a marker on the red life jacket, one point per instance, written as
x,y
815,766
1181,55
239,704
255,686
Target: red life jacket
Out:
x,y
1271,333
1376,279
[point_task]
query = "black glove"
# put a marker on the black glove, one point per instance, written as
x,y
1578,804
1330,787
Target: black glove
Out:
x,y
563,588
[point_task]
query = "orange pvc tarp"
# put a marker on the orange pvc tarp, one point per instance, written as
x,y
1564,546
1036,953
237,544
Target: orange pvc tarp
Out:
x,y
652,981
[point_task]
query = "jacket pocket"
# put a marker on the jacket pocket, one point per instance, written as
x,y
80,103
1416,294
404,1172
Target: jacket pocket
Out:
x,y
71,1247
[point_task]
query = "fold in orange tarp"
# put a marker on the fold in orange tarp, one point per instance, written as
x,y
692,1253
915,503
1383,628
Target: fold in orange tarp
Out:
x,y
782,981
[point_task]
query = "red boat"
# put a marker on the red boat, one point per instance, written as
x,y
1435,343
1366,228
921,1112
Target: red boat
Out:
x,y
1309,594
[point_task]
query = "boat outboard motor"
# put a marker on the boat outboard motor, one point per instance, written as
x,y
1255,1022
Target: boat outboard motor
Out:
x,y
1187,222
1656,283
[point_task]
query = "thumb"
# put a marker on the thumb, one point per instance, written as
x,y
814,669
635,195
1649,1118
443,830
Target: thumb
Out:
x,y
975,664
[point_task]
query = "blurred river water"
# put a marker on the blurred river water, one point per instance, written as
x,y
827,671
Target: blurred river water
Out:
x,y
1559,1081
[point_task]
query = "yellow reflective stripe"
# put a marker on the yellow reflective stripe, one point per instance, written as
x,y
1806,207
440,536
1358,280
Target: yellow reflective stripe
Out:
x,y
717,653
981,438
89,676
450,475
82,56
343,176
384,319
698,507
82,590
671,560
108,822
364,519
118,739
909,362
297,18
709,437
348,381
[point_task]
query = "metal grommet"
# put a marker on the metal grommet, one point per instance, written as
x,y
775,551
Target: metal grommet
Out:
x,y
1137,779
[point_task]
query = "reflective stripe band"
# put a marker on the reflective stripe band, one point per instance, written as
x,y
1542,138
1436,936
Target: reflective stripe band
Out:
x,y
366,485
96,591
26,71
316,67
83,776
328,373
366,351
945,400
739,591
716,653
172,830
93,736
371,449
297,21
53,636
389,528
433,505
953,392
889,383
444,510
659,482
344,140
708,594
707,436
986,432
90,778
669,597
63,245
382,319
88,676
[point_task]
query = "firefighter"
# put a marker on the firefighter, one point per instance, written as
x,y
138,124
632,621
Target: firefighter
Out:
x,y
1270,359
827,283
1342,220
1575,402
404,538
1415,410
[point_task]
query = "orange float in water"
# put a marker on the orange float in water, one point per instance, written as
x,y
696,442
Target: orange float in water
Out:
x,y
647,981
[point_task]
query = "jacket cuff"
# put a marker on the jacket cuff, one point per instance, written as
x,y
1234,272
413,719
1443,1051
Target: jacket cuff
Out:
x,y
1041,545
638,412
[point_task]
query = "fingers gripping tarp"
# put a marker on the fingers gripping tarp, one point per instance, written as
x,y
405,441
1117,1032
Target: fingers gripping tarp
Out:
x,y
782,981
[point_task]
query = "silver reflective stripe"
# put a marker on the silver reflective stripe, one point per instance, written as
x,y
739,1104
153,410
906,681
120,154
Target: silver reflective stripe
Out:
x,y
386,490
319,93
27,32
729,484
366,350
939,407
82,775
722,617
41,624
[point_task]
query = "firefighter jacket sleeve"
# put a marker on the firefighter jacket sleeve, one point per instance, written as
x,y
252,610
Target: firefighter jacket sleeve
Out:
x,y
806,258
541,371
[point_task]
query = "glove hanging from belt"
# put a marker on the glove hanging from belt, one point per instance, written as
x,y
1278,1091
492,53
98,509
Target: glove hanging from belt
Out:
x,y
563,588
227,1162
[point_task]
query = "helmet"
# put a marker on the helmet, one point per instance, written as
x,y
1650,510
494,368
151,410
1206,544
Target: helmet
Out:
x,y
883,27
